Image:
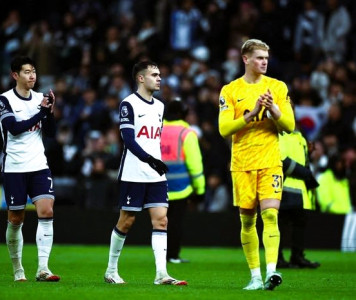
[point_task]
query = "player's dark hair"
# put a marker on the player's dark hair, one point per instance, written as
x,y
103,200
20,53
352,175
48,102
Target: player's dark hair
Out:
x,y
142,65
19,61
175,110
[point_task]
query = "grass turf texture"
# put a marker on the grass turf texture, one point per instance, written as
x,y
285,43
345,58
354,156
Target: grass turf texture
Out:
x,y
214,273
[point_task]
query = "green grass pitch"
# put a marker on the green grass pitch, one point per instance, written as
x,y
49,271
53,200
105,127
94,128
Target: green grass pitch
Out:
x,y
213,273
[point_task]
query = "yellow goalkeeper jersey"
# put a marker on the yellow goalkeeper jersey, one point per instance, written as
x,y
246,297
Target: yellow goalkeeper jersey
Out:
x,y
255,146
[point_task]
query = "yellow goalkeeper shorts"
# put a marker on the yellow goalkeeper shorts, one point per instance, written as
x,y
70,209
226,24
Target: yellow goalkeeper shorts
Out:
x,y
249,187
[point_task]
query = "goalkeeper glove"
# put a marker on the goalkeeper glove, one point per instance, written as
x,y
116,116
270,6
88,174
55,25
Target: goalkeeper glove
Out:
x,y
158,165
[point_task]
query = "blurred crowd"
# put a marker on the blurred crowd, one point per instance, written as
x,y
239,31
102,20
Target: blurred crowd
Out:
x,y
85,50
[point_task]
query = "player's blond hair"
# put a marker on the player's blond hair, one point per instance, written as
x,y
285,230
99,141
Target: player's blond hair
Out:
x,y
253,44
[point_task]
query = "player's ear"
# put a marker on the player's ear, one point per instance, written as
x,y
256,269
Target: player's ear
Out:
x,y
245,59
14,75
140,78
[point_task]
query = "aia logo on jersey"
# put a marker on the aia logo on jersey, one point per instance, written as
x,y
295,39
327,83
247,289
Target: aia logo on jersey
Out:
x,y
149,132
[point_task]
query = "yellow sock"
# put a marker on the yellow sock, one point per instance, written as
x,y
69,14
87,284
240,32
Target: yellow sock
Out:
x,y
249,240
271,236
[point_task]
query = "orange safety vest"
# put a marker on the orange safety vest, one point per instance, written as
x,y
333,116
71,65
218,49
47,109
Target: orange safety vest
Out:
x,y
173,155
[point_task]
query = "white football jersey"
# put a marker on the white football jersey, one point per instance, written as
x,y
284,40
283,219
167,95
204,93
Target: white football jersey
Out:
x,y
146,119
25,151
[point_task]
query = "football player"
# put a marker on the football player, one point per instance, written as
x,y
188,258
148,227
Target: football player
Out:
x,y
25,115
252,110
142,180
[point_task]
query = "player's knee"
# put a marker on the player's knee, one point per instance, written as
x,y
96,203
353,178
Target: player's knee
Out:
x,y
44,208
270,215
45,212
160,223
248,222
16,217
126,223
16,220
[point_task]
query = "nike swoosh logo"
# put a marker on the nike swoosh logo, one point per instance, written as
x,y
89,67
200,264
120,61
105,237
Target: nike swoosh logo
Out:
x,y
18,110
243,244
239,100
141,115
276,192
274,236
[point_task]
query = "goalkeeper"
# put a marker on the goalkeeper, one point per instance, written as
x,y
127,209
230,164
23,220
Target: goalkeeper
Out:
x,y
252,110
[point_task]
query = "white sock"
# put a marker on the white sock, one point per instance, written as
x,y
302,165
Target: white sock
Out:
x,y
116,245
14,241
159,247
256,273
271,267
44,240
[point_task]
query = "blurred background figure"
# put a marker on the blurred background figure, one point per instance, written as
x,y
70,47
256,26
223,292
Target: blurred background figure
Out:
x,y
99,187
333,194
186,27
12,32
185,178
65,159
298,197
308,36
218,197
334,197
337,25
348,239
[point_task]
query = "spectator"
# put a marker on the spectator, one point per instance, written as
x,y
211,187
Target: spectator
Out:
x,y
333,194
318,158
65,161
320,81
11,34
231,67
217,198
308,36
335,126
148,37
100,190
83,118
185,27
114,46
216,33
118,87
337,25
270,27
67,42
38,43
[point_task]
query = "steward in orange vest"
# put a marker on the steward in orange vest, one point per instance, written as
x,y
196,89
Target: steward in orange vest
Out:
x,y
181,153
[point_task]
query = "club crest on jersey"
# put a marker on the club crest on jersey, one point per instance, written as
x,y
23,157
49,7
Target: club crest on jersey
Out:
x,y
124,111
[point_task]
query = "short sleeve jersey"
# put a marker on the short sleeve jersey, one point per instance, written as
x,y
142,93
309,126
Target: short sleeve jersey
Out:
x,y
146,119
25,151
255,146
